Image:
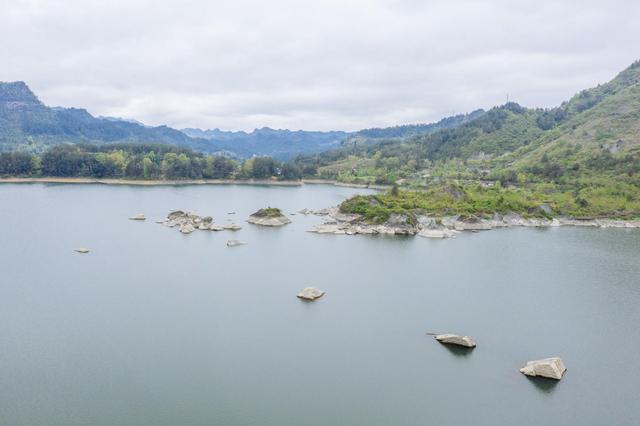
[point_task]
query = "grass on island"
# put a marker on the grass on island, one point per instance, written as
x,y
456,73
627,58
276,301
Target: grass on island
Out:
x,y
608,200
268,212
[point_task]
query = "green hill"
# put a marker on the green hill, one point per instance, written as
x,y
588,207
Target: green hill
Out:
x,y
583,156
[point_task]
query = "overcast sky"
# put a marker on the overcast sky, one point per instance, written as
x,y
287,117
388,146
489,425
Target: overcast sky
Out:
x,y
317,64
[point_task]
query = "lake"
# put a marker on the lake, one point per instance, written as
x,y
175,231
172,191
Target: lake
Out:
x,y
158,328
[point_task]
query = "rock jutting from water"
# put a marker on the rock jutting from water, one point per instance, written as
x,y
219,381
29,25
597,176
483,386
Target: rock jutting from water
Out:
x,y
339,223
189,222
310,294
82,250
138,216
269,216
232,227
233,243
551,368
454,339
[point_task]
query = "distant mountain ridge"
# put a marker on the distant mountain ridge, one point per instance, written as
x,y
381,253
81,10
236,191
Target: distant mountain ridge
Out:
x,y
26,124
277,143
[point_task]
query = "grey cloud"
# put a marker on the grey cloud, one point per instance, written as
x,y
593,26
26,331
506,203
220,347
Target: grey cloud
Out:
x,y
311,64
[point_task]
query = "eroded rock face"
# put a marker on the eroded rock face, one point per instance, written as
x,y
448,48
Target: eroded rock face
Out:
x,y
454,339
552,368
268,217
310,293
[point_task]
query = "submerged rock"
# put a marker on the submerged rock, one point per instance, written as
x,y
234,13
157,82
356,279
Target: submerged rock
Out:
x,y
139,216
310,293
82,250
232,227
552,368
268,217
233,243
438,233
454,339
305,211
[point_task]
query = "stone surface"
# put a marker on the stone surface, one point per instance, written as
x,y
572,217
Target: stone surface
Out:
x,y
139,216
454,339
310,293
552,368
438,233
232,227
187,228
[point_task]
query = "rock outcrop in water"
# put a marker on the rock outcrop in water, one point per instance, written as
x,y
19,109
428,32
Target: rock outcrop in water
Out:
x,y
338,223
310,294
233,243
82,250
189,222
268,217
551,368
139,216
454,339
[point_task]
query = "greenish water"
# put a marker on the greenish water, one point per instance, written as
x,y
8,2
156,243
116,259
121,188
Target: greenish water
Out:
x,y
158,328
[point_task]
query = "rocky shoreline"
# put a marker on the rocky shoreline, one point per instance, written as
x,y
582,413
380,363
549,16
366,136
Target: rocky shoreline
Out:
x,y
339,223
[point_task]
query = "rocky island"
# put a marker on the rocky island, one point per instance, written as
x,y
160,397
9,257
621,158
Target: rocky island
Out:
x,y
446,212
269,216
189,222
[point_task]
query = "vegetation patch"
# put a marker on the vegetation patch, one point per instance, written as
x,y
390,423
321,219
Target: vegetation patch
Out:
x,y
268,212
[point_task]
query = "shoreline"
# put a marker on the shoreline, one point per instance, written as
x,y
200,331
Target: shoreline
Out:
x,y
338,223
135,182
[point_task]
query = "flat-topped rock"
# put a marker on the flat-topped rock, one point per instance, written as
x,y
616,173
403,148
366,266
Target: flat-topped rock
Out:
x,y
232,227
454,339
138,216
438,233
233,243
310,293
551,368
269,216
214,227
82,250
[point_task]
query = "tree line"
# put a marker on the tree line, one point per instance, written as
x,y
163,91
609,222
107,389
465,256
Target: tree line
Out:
x,y
140,161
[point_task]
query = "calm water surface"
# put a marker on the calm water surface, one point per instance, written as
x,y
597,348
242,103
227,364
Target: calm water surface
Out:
x,y
158,328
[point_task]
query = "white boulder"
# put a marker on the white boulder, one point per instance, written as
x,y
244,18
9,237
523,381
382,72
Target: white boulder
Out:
x,y
310,293
552,368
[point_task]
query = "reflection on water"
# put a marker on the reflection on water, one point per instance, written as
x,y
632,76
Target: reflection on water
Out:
x,y
543,384
460,351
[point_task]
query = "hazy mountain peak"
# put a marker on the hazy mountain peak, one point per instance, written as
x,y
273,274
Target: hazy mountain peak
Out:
x,y
17,91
